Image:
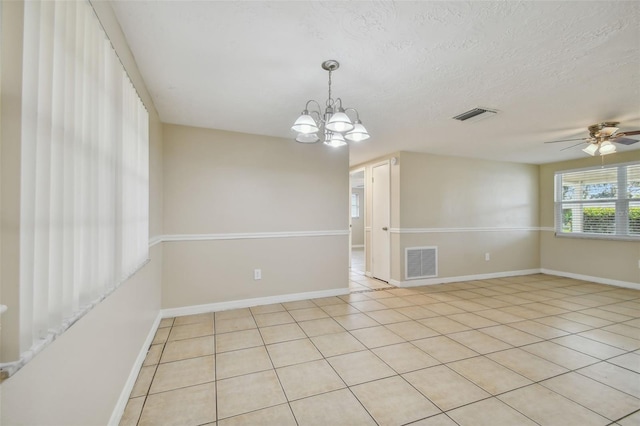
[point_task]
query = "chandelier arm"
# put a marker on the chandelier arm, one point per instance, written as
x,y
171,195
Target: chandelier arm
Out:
x,y
306,107
317,113
352,109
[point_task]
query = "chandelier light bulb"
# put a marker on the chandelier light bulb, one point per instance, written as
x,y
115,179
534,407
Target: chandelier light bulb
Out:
x,y
339,122
358,134
305,124
335,140
307,138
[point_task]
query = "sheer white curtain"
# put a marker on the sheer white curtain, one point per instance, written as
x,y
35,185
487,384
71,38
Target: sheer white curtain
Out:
x,y
84,185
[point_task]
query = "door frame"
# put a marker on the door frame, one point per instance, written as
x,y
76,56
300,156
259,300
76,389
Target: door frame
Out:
x,y
388,164
363,205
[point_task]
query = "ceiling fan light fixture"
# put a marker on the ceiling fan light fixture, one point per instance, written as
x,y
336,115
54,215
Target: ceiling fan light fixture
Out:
x,y
601,136
591,149
607,148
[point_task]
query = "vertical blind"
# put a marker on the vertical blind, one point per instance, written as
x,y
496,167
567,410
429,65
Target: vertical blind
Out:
x,y
84,183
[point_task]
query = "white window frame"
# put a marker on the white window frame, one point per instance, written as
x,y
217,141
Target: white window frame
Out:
x,y
622,205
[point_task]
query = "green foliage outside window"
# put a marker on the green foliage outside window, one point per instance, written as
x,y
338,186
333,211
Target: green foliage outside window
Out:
x,y
567,216
601,220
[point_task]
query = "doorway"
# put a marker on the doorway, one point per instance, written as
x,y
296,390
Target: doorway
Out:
x,y
356,222
380,221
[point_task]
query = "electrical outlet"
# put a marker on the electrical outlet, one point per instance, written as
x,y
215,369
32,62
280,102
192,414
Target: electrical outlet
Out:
x,y
257,274
638,263
487,257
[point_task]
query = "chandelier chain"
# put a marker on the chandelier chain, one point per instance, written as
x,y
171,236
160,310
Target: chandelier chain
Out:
x,y
330,101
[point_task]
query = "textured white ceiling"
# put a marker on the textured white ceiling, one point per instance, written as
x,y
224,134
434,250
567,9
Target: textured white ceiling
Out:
x,y
550,68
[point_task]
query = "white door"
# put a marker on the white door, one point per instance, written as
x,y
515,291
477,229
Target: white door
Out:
x,y
380,239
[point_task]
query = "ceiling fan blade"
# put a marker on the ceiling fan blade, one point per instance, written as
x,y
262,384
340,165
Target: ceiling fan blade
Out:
x,y
625,141
568,140
608,131
631,133
572,146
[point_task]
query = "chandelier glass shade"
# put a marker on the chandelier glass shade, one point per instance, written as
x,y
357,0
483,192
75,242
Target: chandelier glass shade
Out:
x,y
334,125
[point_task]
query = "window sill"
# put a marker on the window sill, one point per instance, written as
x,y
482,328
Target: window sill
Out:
x,y
605,237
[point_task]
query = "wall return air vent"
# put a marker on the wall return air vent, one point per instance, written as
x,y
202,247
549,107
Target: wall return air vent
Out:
x,y
420,262
475,114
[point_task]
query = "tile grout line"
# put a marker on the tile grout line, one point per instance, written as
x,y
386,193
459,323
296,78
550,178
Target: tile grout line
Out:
x,y
215,366
470,299
536,382
146,396
275,371
332,367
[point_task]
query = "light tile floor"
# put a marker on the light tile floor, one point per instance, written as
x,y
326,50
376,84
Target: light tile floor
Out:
x,y
525,350
357,260
358,281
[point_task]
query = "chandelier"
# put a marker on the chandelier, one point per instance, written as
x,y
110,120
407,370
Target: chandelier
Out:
x,y
335,125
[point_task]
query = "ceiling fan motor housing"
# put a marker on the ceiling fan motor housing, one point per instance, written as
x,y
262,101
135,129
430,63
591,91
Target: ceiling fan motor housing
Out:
x,y
603,130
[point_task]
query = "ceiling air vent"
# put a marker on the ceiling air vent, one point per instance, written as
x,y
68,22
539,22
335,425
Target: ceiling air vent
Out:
x,y
475,114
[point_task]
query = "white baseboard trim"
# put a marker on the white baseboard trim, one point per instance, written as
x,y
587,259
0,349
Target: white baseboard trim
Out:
x,y
357,246
599,280
368,274
445,280
247,303
118,410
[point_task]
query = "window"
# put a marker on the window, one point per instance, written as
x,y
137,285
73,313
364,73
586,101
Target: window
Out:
x,y
355,205
84,184
599,202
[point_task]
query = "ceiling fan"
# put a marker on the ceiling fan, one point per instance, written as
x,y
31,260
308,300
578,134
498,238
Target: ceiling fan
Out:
x,y
600,138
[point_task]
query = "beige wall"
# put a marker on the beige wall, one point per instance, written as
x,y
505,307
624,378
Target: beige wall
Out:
x,y
469,207
432,196
78,379
609,260
452,192
466,208
223,183
462,254
357,224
